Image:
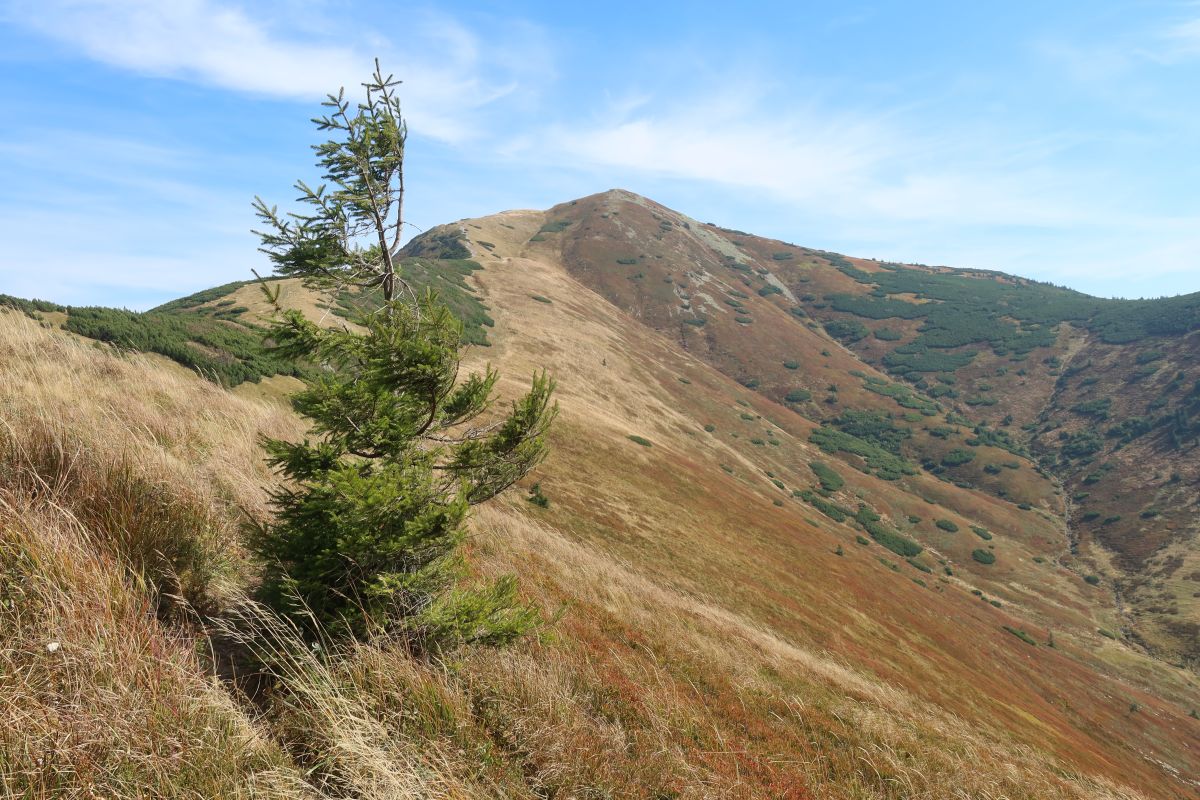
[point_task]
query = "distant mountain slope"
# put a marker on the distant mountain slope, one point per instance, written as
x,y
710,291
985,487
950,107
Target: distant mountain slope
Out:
x,y
975,369
797,555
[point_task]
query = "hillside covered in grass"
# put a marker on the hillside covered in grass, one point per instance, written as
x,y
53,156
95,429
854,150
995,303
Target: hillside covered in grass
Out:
x,y
773,564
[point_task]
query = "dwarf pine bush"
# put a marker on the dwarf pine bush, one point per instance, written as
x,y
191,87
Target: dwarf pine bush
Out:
x,y
368,525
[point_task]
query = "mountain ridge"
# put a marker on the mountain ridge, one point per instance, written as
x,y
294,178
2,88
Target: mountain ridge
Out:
x,y
762,573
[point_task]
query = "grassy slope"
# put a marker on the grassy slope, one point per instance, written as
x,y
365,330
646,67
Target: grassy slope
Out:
x,y
711,533
1133,513
714,644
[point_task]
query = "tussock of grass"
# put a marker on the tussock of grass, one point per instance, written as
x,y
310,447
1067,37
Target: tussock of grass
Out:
x,y
108,702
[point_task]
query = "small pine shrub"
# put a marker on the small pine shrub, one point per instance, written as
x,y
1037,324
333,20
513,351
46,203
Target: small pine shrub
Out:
x,y
947,525
1022,635
957,457
830,480
642,440
984,556
537,498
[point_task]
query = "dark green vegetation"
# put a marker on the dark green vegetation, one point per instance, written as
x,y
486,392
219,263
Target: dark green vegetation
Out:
x,y
983,556
219,346
217,340
880,461
982,533
537,497
447,277
642,440
846,330
832,510
974,307
371,515
366,532
830,480
874,427
1022,635
32,308
957,457
903,395
214,342
886,536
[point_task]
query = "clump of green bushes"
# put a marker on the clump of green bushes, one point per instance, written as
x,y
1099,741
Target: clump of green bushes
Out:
x,y
1022,635
830,480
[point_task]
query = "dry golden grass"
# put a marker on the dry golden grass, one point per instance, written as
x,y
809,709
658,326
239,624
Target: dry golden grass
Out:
x,y
669,674
123,487
96,698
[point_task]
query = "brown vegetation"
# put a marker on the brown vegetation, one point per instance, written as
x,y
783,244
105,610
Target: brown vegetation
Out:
x,y
707,642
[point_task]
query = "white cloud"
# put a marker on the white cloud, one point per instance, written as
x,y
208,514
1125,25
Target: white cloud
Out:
x,y
889,184
448,74
822,160
1181,40
910,183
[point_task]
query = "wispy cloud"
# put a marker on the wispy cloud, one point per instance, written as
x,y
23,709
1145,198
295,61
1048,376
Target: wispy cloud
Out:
x,y
891,171
449,75
1121,52
843,162
94,217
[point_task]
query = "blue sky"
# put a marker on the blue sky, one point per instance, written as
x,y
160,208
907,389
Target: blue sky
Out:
x,y
1054,140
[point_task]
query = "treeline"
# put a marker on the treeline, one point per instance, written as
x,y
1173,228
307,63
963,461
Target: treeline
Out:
x,y
970,309
223,351
207,333
445,276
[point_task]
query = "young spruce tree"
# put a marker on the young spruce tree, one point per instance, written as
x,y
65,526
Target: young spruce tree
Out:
x,y
367,532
